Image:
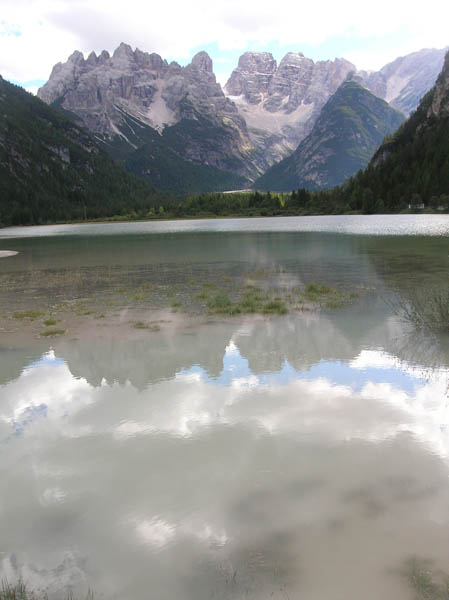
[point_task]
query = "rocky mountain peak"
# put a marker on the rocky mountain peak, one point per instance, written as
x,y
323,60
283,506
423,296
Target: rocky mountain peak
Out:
x,y
293,59
257,62
110,96
123,57
404,81
76,57
104,56
266,109
252,77
92,59
280,103
203,62
123,50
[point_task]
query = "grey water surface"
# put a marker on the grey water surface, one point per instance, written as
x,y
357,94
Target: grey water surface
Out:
x,y
297,456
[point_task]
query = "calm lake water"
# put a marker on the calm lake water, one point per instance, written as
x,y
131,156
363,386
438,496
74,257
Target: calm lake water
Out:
x,y
212,457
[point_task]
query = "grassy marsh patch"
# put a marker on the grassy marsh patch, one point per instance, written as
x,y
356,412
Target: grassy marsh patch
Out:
x,y
50,322
252,301
148,326
31,315
19,591
425,309
427,584
52,332
276,306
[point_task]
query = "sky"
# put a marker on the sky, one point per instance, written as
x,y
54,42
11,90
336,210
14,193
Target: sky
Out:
x,y
37,34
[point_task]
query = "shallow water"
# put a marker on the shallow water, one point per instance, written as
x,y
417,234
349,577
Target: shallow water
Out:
x,y
303,456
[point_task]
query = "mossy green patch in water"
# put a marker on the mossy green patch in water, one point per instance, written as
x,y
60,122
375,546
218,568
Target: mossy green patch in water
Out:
x,y
50,322
31,315
425,309
52,332
427,584
19,591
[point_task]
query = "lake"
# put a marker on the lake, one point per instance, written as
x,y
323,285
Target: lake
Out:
x,y
225,408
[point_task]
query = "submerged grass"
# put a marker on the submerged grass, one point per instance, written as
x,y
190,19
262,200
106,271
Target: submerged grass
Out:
x,y
19,591
149,326
426,584
207,290
32,315
141,325
425,309
50,322
52,332
252,301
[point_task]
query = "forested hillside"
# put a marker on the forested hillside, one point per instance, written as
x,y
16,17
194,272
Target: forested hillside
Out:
x,y
350,128
52,170
412,166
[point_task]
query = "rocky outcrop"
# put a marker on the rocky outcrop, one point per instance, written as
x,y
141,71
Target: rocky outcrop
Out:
x,y
348,131
105,92
281,103
252,78
403,82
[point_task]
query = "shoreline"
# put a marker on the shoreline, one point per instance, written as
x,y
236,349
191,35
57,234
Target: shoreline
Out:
x,y
116,219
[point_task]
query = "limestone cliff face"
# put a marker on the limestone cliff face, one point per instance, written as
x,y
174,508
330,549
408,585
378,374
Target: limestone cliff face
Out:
x,y
252,78
108,93
403,82
281,103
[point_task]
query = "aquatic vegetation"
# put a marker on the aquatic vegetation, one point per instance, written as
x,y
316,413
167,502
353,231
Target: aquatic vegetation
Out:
x,y
223,290
276,306
201,296
52,332
140,325
427,585
32,315
50,322
222,304
19,591
326,296
316,288
426,309
149,326
252,301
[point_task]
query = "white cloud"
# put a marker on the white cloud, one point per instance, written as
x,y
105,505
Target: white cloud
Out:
x,y
51,29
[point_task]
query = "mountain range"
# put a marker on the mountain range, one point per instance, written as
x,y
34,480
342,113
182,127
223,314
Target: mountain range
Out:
x,y
176,127
51,169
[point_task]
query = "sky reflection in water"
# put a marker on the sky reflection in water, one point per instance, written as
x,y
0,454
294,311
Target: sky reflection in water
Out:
x,y
210,474
47,389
